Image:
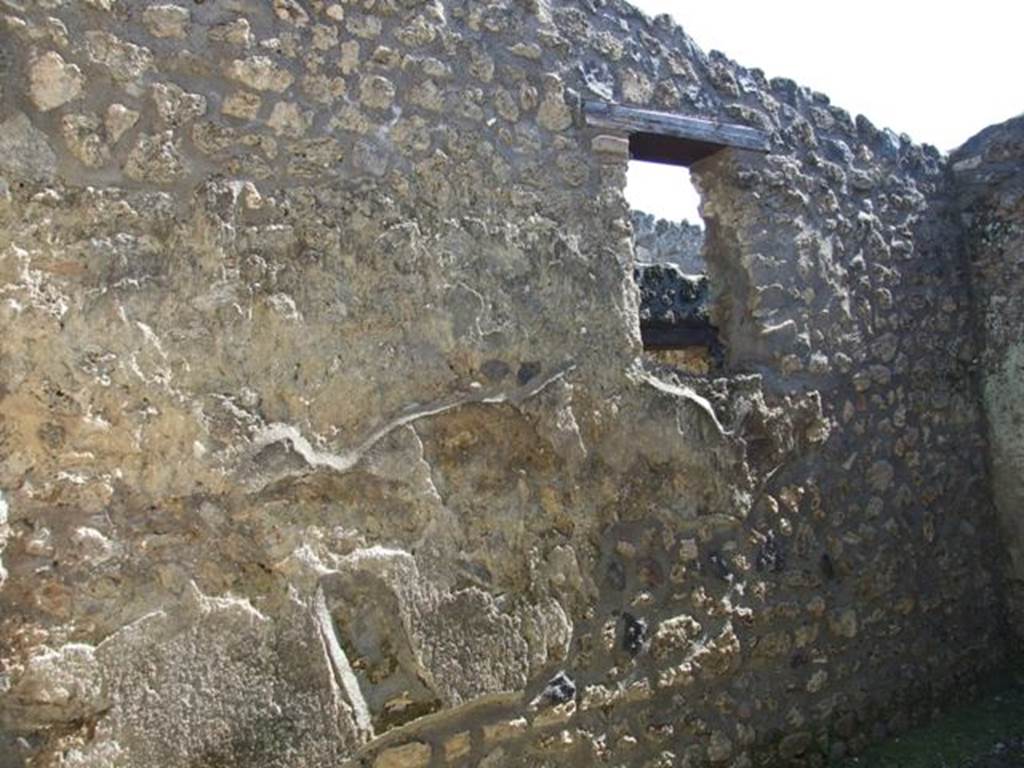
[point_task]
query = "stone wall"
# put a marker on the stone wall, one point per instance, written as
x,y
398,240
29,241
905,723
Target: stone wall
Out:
x,y
658,241
326,436
990,175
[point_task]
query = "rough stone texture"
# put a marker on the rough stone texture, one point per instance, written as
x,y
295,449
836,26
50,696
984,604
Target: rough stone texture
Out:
x,y
668,242
261,73
53,82
326,436
675,309
25,151
166,20
990,176
119,120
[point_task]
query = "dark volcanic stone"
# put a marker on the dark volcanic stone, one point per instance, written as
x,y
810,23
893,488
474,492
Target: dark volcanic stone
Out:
x,y
670,297
828,568
528,372
634,634
674,308
719,567
560,689
771,556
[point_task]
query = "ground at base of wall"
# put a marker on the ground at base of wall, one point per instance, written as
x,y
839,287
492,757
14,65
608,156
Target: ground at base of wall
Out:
x,y
986,734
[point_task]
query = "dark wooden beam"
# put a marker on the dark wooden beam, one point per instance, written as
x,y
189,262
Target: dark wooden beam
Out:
x,y
662,137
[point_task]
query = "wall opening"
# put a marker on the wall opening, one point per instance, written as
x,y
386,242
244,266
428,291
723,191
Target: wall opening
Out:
x,y
670,270
676,306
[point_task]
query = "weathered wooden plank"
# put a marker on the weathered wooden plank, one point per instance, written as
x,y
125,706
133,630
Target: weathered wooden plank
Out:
x,y
616,117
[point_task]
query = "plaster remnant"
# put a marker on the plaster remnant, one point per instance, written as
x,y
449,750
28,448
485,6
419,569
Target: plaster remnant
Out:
x,y
329,436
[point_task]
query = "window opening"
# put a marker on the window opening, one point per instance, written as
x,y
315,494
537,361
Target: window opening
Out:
x,y
671,271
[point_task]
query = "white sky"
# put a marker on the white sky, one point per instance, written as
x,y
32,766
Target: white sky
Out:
x,y
939,71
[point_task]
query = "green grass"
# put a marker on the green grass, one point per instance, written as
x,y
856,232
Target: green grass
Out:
x,y
954,740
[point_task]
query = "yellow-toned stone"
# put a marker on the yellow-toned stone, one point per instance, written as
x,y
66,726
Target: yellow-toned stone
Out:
x,y
458,746
415,754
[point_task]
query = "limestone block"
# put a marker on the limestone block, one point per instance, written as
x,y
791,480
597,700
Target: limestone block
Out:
x,y
53,81
287,119
167,20
376,92
82,134
261,73
125,61
291,12
237,32
366,26
553,113
611,149
637,88
119,120
242,104
156,158
674,635
175,106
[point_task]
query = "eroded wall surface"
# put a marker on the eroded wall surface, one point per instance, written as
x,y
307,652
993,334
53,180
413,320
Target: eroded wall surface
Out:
x,y
990,176
326,437
658,241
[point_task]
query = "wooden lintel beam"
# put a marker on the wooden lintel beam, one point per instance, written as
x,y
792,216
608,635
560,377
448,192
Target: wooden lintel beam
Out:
x,y
631,120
